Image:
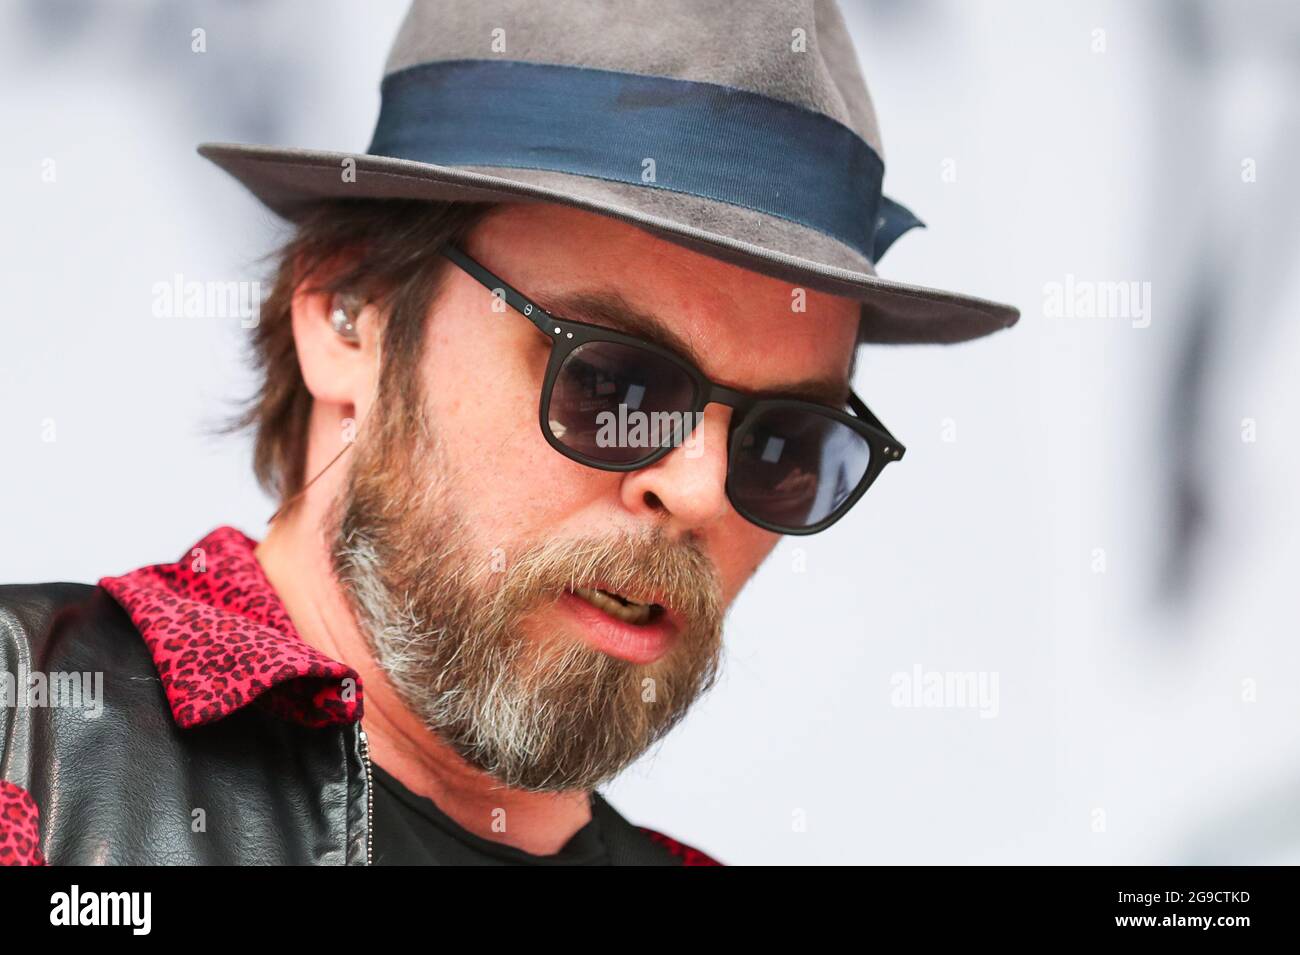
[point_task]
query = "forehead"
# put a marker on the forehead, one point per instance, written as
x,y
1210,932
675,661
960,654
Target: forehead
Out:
x,y
743,329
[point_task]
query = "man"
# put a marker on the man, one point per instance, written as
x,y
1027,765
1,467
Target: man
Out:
x,y
546,374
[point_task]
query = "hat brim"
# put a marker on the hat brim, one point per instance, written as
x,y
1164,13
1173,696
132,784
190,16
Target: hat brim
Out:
x,y
289,180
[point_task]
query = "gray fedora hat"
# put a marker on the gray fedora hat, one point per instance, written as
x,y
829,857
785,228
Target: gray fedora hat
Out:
x,y
738,128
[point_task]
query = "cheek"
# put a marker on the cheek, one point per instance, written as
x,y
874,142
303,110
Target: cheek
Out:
x,y
737,549
482,390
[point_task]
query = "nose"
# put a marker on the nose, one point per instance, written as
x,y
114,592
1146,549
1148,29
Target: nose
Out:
x,y
686,489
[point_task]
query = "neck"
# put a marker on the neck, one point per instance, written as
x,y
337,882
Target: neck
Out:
x,y
295,557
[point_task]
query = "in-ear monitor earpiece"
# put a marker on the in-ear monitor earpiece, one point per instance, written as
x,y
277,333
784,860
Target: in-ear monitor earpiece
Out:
x,y
343,314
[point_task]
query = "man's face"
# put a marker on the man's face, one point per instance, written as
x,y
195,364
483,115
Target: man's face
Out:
x,y
470,548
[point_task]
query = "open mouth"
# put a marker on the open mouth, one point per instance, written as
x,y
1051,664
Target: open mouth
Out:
x,y
620,607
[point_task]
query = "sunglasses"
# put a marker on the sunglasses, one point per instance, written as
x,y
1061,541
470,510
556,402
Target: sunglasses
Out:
x,y
618,403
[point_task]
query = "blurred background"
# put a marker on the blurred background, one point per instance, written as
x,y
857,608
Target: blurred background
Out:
x,y
1096,518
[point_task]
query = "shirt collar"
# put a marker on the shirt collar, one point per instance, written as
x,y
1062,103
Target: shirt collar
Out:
x,y
221,639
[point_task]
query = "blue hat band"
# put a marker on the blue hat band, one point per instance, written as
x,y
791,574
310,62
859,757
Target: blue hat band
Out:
x,y
689,137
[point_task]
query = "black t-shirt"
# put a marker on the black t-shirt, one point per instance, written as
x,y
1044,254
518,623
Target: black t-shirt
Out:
x,y
408,829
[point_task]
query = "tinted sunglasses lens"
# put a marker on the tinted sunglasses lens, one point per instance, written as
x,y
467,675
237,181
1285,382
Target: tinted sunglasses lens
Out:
x,y
618,404
794,467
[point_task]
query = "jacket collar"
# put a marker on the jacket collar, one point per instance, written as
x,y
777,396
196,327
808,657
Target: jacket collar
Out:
x,y
221,639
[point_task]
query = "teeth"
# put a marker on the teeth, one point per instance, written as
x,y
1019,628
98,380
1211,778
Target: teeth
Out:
x,y
630,612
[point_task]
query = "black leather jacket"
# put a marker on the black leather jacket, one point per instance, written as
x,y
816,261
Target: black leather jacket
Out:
x,y
132,787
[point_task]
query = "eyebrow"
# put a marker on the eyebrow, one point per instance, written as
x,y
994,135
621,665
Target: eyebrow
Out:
x,y
610,310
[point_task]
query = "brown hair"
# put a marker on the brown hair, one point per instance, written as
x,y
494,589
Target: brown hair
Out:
x,y
385,252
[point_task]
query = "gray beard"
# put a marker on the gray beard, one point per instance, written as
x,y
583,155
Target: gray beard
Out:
x,y
444,625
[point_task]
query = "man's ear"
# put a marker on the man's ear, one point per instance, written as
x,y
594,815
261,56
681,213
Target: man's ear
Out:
x,y
336,353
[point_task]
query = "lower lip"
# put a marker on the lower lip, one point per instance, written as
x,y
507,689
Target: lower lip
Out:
x,y
627,641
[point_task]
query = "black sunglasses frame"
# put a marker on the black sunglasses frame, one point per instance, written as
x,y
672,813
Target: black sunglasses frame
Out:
x,y
567,335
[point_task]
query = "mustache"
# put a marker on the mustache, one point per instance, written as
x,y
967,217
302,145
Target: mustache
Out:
x,y
646,567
